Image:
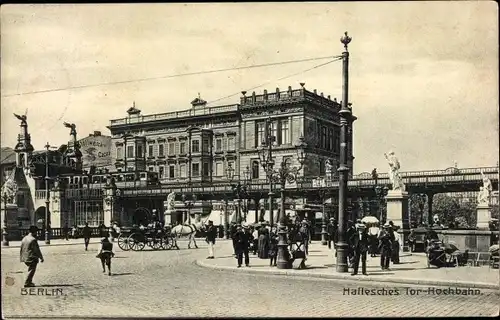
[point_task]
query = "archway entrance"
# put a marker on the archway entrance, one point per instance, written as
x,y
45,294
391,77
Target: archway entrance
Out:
x,y
141,216
40,217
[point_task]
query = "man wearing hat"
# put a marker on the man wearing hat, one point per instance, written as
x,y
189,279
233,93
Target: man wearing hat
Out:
x,y
304,232
385,245
241,238
359,243
30,255
351,230
211,234
331,229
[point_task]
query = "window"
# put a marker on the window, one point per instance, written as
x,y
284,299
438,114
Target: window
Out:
x,y
330,139
195,146
231,164
151,169
337,140
119,152
260,136
130,151
182,148
90,211
274,131
139,151
322,168
161,170
171,148
196,170
218,145
206,169
285,132
161,150
323,137
255,169
171,171
206,145
218,169
182,170
150,150
230,144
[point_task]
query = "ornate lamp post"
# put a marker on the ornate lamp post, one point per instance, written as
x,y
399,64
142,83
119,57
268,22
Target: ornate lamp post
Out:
x,y
9,192
345,120
47,194
239,189
267,162
285,174
189,204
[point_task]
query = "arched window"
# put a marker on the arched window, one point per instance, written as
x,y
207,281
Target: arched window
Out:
x,y
255,169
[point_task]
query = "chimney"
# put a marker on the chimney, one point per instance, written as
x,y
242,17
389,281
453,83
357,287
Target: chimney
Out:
x,y
315,91
97,133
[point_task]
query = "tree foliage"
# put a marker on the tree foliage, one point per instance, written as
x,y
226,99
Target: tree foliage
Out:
x,y
451,211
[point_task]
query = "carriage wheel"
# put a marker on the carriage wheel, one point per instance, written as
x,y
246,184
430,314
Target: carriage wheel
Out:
x,y
167,243
137,242
123,243
155,243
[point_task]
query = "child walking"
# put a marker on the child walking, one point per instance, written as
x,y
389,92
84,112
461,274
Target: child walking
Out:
x,y
273,249
105,254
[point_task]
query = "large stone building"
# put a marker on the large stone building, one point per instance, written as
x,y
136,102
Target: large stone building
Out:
x,y
198,144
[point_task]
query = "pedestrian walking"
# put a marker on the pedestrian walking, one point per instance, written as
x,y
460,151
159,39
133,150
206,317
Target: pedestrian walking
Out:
x,y
351,230
241,236
105,254
373,233
263,244
273,249
396,244
255,239
360,247
385,246
30,255
233,230
331,229
304,232
211,234
66,231
87,233
74,231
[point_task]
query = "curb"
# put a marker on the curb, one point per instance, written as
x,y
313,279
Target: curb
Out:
x,y
52,244
462,284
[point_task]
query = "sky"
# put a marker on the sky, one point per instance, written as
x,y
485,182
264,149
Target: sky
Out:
x,y
423,76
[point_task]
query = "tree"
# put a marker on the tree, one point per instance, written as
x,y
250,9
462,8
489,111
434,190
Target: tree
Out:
x,y
445,207
418,205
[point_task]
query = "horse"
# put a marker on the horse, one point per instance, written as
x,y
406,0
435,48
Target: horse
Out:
x,y
188,230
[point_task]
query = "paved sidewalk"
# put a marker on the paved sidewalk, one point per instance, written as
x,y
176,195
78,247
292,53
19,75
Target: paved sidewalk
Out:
x,y
321,264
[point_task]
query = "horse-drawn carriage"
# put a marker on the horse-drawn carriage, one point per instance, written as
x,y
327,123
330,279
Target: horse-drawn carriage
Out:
x,y
136,239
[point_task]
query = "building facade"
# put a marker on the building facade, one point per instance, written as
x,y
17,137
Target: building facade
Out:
x,y
200,143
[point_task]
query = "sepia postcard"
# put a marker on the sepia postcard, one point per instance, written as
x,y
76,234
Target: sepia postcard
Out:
x,y
205,160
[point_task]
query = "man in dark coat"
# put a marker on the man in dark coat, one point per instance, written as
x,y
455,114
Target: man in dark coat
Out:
x,y
211,234
359,243
241,238
304,234
233,230
331,228
86,232
66,231
350,231
385,245
30,255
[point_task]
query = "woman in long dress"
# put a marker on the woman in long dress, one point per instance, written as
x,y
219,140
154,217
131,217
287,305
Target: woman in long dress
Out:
x,y
263,244
105,254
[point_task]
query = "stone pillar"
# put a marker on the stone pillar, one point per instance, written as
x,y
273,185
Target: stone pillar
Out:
x,y
57,211
397,212
430,198
483,212
110,206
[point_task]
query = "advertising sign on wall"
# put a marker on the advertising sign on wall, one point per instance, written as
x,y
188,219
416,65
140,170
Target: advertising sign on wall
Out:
x,y
96,151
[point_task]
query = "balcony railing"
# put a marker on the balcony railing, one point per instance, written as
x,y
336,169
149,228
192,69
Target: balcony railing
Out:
x,y
176,114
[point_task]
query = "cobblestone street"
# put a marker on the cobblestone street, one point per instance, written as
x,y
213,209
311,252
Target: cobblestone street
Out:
x,y
168,283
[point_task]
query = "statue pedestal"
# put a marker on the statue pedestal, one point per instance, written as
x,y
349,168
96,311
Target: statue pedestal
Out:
x,y
397,208
397,212
167,217
483,214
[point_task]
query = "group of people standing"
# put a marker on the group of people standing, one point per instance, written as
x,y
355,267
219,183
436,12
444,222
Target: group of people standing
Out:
x,y
384,241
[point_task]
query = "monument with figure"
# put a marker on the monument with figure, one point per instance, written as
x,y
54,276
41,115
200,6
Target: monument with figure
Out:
x,y
483,209
397,197
169,206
